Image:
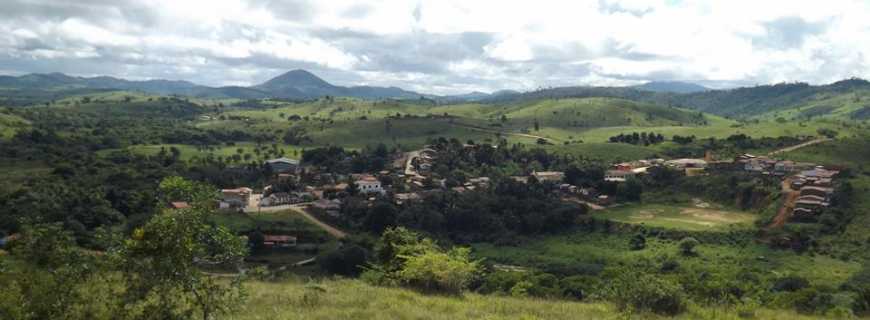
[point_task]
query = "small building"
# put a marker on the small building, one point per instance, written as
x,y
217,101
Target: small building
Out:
x,y
551,176
797,183
278,198
816,191
369,184
686,163
783,167
235,198
603,200
405,197
617,175
279,241
283,165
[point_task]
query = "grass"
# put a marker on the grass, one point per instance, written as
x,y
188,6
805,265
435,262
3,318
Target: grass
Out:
x,y
604,249
682,218
280,220
353,299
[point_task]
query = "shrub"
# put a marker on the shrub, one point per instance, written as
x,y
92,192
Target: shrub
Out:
x,y
637,242
346,261
687,246
790,284
644,292
449,271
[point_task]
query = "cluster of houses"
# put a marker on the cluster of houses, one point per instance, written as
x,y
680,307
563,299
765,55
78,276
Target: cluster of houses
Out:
x,y
767,166
815,188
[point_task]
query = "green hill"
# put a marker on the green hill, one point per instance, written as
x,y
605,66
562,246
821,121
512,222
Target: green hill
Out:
x,y
353,299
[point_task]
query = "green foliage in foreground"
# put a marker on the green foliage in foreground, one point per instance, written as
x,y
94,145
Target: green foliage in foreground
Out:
x,y
354,299
407,258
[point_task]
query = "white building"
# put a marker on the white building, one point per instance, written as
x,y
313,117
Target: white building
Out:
x,y
369,184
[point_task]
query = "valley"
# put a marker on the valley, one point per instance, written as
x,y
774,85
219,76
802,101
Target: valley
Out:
x,y
546,203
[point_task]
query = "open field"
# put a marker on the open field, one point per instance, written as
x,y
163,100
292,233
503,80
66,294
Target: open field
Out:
x,y
188,152
684,218
353,299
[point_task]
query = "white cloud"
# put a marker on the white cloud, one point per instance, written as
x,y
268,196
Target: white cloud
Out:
x,y
523,45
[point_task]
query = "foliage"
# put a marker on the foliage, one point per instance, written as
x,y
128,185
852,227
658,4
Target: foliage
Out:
x,y
162,260
405,257
687,246
644,292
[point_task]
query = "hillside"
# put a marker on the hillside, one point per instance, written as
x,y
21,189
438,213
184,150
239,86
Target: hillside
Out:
x,y
341,299
671,86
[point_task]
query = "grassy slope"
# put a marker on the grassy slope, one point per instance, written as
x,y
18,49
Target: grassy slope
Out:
x,y
10,124
353,299
830,106
597,248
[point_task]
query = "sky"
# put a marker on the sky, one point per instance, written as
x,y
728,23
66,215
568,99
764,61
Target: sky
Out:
x,y
442,46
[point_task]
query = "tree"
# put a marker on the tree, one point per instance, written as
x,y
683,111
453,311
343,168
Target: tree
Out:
x,y
161,263
687,246
637,242
406,257
179,189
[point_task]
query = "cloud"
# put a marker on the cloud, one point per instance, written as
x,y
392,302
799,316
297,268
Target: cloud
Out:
x,y
445,46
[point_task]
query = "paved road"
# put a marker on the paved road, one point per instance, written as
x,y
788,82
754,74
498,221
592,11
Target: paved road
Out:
x,y
798,146
300,209
525,135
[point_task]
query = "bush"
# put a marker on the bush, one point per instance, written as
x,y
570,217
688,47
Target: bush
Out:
x,y
790,284
637,242
687,246
449,272
346,261
644,292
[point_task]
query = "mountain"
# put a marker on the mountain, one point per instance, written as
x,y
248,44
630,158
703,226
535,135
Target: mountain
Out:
x,y
671,86
304,84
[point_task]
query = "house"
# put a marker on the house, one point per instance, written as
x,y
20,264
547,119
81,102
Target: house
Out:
x,y
369,184
816,191
552,176
279,241
803,212
179,205
603,200
330,207
283,165
809,204
278,198
405,197
686,163
235,198
783,167
625,166
617,175
797,184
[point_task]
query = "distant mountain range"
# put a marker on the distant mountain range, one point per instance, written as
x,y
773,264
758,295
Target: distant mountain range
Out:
x,y
303,85
671,86
295,84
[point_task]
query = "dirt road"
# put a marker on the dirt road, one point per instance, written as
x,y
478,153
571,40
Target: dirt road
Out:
x,y
300,209
798,146
524,135
787,206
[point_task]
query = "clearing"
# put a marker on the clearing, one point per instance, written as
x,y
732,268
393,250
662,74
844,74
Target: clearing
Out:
x,y
697,218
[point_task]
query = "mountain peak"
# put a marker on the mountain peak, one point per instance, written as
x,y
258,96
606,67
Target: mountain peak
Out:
x,y
296,79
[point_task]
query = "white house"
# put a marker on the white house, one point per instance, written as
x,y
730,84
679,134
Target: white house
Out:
x,y
282,165
369,184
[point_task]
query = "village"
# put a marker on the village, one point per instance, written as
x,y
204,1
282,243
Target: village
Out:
x,y
318,195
